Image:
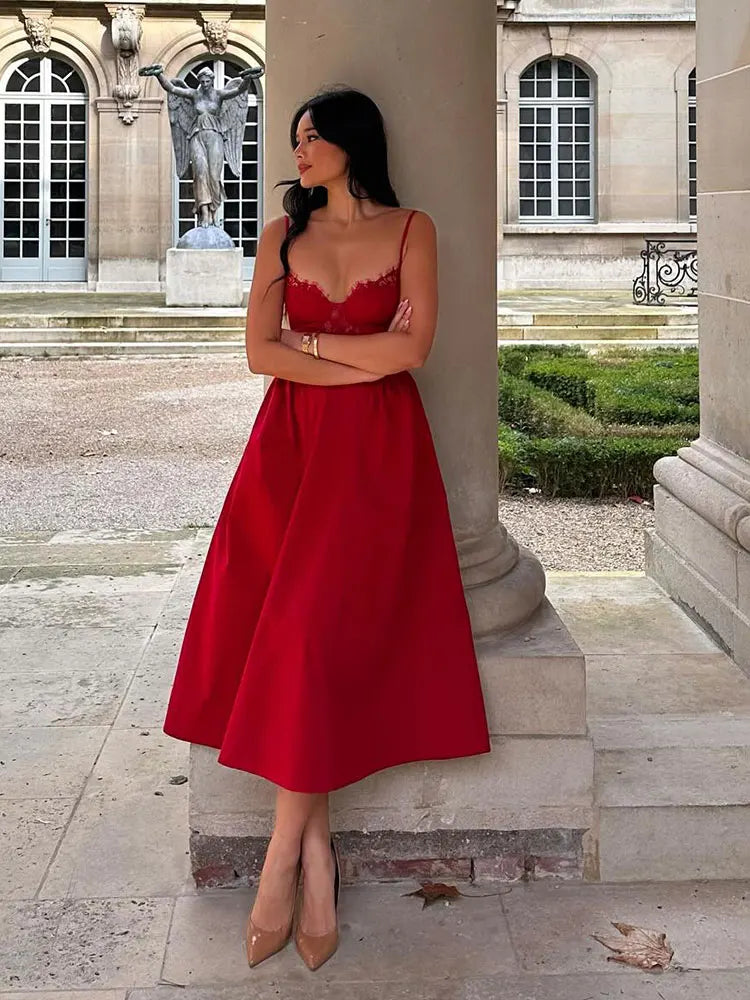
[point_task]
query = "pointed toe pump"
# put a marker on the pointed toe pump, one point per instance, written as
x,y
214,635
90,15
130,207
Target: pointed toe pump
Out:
x,y
315,949
261,943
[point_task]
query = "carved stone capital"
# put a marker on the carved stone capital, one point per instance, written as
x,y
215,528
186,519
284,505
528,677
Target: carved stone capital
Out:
x,y
127,32
215,30
37,22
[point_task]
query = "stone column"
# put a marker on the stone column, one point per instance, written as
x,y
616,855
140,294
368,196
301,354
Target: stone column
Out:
x,y
700,548
434,78
129,236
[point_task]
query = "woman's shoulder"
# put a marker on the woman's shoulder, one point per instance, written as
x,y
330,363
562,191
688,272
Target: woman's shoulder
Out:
x,y
419,216
421,224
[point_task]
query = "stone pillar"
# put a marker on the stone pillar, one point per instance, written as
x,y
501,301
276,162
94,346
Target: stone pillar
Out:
x,y
130,196
700,548
434,78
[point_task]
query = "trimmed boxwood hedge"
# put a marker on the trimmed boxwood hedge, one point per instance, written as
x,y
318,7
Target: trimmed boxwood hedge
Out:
x,y
578,424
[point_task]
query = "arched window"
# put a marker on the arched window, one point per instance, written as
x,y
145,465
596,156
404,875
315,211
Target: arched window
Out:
x,y
241,214
43,108
692,147
556,142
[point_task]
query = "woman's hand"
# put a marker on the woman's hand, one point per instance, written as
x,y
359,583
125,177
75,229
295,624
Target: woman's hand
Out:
x,y
400,321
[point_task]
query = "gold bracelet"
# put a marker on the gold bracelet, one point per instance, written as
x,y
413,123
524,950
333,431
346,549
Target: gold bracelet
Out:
x,y
305,343
315,345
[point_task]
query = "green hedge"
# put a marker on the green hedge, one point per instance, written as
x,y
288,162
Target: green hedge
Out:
x,y
539,413
587,425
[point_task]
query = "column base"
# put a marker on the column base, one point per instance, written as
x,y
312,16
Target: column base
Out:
x,y
699,551
521,811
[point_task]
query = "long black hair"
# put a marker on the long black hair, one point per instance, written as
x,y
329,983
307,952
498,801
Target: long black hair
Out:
x,y
352,120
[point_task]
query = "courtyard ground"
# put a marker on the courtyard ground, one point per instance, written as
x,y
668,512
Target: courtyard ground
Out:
x,y
154,442
96,897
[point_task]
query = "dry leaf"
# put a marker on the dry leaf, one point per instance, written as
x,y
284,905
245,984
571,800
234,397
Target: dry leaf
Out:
x,y
431,892
642,948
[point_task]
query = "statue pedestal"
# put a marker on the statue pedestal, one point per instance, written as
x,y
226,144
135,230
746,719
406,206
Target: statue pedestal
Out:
x,y
204,277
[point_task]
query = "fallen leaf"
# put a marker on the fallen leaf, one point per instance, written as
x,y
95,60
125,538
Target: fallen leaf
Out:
x,y
431,892
642,948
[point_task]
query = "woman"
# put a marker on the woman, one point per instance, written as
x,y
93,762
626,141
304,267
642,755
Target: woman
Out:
x,y
329,636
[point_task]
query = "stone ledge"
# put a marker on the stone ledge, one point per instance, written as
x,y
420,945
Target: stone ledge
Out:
x,y
388,855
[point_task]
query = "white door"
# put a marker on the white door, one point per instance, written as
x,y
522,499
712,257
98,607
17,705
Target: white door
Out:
x,y
241,214
43,110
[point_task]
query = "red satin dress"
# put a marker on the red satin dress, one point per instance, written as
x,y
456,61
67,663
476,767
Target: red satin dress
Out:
x,y
329,636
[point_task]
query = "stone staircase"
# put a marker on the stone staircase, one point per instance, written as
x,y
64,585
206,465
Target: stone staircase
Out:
x,y
157,332
60,324
666,325
669,715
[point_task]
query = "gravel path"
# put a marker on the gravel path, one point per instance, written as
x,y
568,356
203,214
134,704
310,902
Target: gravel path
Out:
x,y
579,535
154,442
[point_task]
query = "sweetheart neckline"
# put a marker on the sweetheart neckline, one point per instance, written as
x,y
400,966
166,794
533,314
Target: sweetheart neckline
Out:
x,y
352,288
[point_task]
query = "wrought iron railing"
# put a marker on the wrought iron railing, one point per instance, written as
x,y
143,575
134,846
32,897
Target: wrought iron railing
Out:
x,y
670,273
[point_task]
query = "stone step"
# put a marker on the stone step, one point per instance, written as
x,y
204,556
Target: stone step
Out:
x,y
673,794
635,317
554,332
174,334
164,318
594,345
112,347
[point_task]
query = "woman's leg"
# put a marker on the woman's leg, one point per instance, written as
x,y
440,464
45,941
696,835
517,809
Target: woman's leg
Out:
x,y
318,914
273,901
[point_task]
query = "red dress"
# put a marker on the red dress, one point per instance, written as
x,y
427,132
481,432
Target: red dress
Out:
x,y
329,635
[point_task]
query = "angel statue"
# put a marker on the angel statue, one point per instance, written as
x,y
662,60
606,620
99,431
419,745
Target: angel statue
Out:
x,y
207,128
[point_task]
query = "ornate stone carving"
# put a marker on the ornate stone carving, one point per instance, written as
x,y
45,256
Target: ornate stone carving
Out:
x,y
215,31
127,31
37,22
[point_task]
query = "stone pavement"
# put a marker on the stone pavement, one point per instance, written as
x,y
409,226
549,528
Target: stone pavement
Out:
x,y
96,899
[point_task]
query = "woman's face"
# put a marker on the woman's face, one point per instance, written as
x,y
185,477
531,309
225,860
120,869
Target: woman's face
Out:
x,y
318,161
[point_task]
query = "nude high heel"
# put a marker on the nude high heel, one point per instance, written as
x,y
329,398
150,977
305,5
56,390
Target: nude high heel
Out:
x,y
314,949
261,943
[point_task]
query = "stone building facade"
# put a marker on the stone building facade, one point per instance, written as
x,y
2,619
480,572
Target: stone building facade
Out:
x,y
596,137
91,199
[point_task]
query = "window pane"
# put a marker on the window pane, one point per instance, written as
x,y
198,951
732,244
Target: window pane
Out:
x,y
565,206
544,208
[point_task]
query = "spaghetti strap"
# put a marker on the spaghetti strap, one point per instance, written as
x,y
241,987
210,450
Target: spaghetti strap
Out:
x,y
403,237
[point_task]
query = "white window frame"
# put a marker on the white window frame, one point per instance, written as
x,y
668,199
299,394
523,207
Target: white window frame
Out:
x,y
46,267
555,103
692,155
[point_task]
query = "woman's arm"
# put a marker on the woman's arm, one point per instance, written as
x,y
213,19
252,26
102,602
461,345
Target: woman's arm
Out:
x,y
392,350
266,355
